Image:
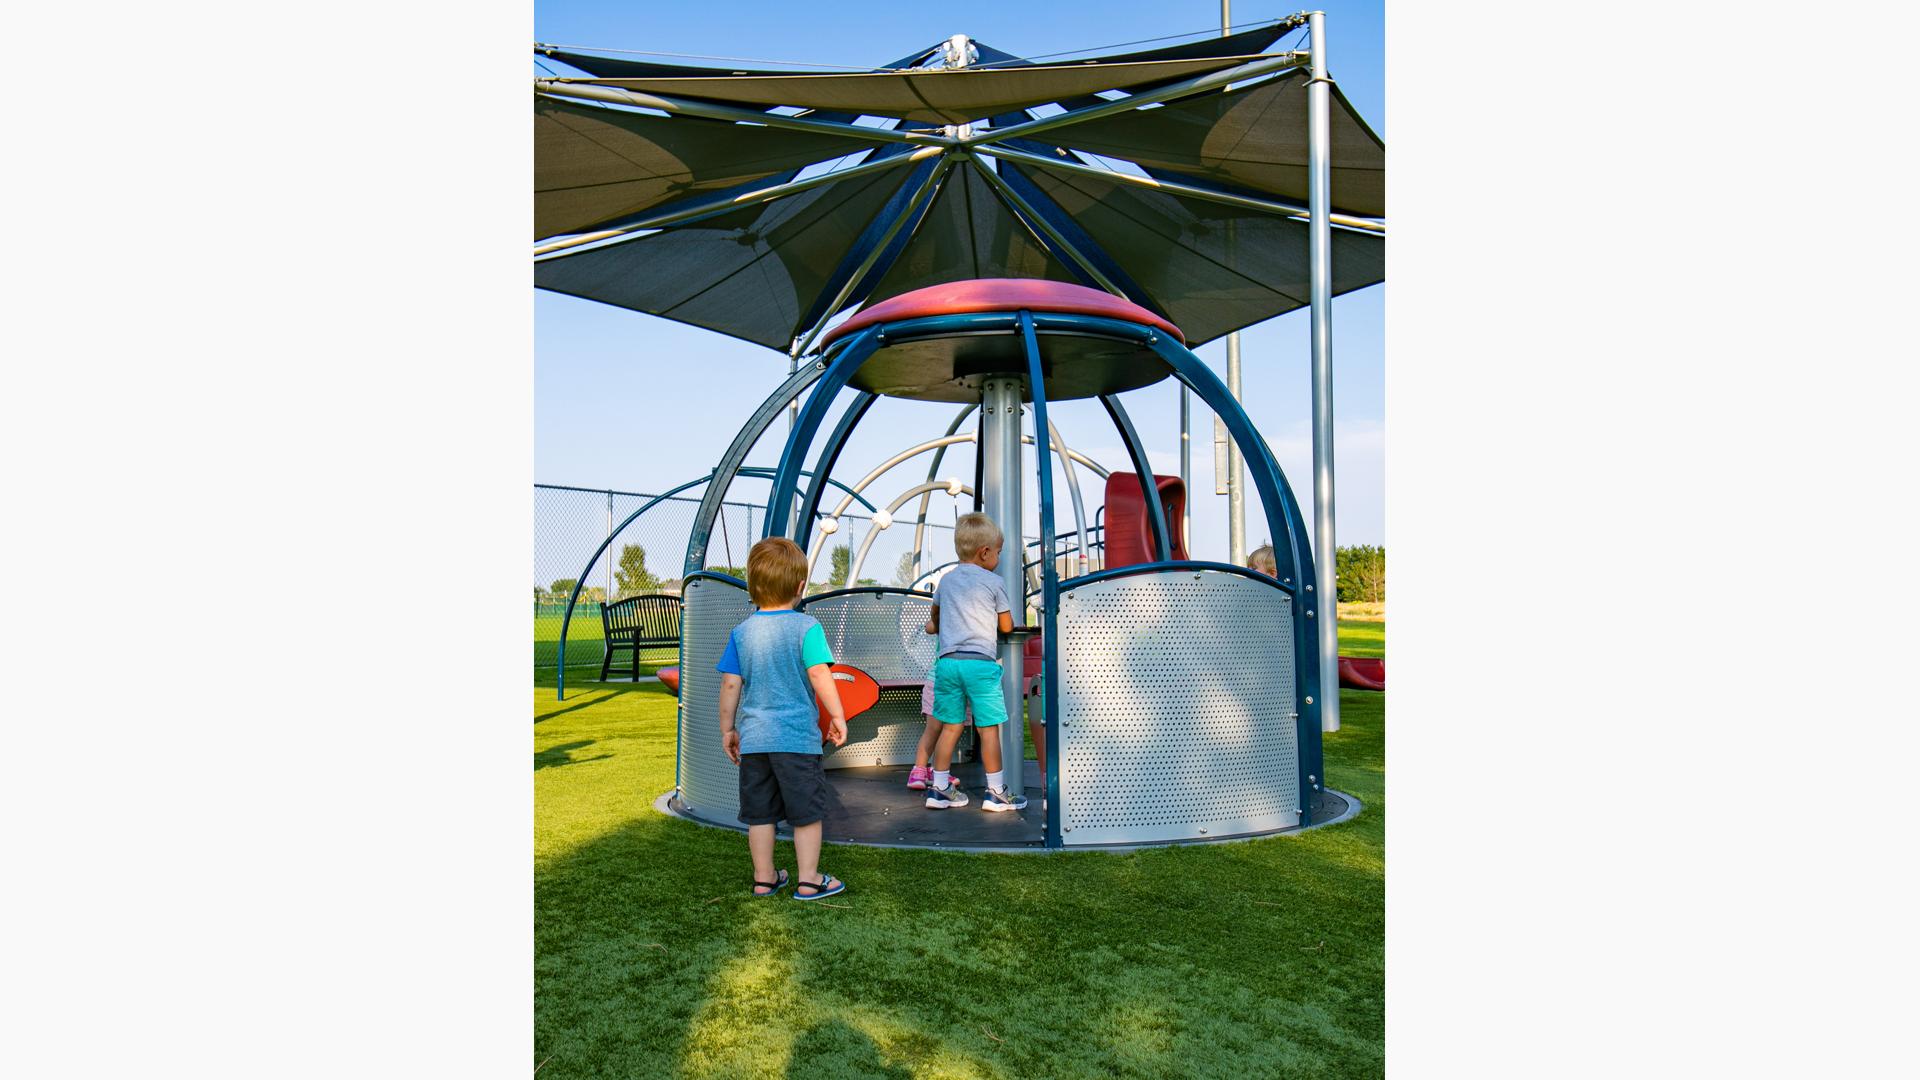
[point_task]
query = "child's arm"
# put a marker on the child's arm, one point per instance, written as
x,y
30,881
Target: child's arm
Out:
x,y
933,620
1006,622
729,701
821,678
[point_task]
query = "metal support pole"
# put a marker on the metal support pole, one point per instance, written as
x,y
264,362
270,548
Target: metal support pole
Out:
x,y
1236,481
1186,466
608,598
1236,485
1320,283
1000,397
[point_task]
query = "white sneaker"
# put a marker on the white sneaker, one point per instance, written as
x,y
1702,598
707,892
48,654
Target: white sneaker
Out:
x,y
940,798
1000,800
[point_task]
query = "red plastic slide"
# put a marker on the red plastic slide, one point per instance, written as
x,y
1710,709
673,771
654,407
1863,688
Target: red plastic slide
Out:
x,y
1363,672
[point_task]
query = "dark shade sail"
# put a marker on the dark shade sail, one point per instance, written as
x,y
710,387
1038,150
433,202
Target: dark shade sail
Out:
x,y
969,233
1244,43
592,165
749,273
1253,139
1210,268
936,96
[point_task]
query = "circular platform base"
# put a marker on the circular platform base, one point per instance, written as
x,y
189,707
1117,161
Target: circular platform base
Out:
x,y
873,807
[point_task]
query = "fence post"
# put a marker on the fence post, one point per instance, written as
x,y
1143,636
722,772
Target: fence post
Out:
x,y
609,596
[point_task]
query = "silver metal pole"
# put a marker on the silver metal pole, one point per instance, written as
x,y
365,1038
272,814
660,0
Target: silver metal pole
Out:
x,y
1000,397
1320,280
1236,480
609,596
1073,488
1186,467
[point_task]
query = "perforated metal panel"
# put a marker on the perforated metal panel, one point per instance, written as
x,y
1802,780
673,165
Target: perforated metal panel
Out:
x,y
709,783
1177,709
882,634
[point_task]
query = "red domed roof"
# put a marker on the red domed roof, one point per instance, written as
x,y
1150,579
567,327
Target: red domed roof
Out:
x,y
1001,294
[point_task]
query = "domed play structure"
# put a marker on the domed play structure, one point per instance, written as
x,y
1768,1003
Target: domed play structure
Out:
x,y
965,226
1182,696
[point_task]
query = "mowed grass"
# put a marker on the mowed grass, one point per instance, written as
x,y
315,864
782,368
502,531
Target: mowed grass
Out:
x,y
1263,958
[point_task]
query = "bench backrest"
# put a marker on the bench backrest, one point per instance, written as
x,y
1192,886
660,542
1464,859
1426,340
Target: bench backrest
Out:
x,y
642,618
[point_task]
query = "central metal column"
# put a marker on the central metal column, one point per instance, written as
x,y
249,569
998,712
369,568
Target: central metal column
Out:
x,y
1000,475
1320,298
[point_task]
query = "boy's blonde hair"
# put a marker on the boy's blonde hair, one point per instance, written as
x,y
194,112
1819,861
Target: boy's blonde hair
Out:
x,y
775,568
973,532
1261,558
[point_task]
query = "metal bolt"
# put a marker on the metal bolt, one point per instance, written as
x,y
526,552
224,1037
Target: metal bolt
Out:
x,y
1309,588
1309,613
1309,701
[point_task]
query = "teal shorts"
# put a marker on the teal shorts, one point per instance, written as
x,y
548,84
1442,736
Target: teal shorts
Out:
x,y
959,683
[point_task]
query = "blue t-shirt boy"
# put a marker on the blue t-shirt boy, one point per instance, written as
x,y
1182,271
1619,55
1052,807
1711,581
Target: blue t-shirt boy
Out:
x,y
771,652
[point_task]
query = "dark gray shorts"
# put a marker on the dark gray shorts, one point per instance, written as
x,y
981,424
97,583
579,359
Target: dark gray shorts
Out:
x,y
782,787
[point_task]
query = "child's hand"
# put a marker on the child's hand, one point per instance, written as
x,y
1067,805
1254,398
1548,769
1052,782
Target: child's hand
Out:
x,y
730,742
837,731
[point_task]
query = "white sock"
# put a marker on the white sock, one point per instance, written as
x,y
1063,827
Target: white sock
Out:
x,y
942,779
997,780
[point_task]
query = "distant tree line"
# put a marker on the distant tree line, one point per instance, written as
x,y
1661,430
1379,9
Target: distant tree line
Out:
x,y
1360,574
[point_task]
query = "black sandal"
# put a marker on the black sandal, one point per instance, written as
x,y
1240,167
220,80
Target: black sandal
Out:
x,y
773,887
828,886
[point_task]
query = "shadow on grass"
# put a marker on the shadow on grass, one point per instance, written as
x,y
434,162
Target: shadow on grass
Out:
x,y
554,756
651,960
599,695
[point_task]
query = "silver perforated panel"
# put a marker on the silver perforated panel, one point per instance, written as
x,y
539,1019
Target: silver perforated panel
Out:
x,y
882,634
1177,709
709,783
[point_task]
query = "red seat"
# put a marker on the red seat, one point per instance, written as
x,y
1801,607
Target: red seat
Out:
x,y
1129,532
1000,294
670,677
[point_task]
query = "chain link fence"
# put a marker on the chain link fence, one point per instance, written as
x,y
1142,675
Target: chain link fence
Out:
x,y
646,557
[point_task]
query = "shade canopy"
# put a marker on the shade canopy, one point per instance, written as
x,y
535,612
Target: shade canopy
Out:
x,y
593,164
748,250
927,96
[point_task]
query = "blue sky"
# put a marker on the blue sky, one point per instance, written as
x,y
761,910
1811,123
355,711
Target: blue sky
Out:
x,y
630,401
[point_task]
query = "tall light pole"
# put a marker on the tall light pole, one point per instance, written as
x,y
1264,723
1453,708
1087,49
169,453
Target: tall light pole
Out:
x,y
1236,492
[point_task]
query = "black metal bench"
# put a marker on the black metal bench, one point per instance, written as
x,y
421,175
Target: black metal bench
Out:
x,y
638,622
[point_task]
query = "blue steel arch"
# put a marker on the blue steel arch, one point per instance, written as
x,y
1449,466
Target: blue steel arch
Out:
x,y
566,620
1284,519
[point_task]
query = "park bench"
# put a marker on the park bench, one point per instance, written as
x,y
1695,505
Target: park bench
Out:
x,y
636,623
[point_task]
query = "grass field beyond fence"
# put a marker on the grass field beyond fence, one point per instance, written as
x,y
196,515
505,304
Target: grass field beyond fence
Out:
x,y
1261,959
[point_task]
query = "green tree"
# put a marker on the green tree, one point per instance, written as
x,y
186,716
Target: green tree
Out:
x,y
842,562
631,575
563,588
1360,574
539,595
903,572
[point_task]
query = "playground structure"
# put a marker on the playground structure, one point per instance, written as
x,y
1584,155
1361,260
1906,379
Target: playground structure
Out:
x,y
1182,695
1182,699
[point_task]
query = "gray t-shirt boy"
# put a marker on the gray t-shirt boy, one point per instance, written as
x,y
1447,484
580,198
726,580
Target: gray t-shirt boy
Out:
x,y
971,600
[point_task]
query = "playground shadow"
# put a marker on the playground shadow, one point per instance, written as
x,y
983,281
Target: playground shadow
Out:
x,y
596,695
555,756
650,958
853,1054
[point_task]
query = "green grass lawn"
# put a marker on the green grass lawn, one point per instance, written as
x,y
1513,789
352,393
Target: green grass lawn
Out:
x,y
1263,958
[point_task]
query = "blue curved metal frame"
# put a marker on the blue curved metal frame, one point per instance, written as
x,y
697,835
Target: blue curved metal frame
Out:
x,y
579,582
1283,511
1149,483
829,456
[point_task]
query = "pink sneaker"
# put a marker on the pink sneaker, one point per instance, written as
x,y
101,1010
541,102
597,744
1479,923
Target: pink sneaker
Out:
x,y
919,778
